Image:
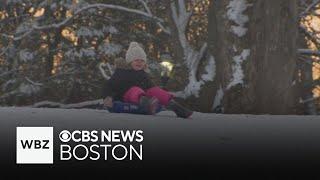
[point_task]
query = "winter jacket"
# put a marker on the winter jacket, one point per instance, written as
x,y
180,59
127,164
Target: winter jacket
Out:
x,y
122,80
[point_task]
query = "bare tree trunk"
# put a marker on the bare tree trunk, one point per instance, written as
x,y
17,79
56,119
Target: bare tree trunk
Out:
x,y
254,44
194,68
180,71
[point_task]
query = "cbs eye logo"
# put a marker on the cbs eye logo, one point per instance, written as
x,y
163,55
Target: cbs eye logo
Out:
x,y
65,136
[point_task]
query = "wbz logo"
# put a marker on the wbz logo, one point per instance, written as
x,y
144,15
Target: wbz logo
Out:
x,y
34,145
37,144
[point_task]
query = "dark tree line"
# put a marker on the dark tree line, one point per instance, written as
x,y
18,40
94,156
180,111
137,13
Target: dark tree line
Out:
x,y
228,56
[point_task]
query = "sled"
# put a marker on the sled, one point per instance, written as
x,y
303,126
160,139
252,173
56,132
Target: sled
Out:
x,y
123,107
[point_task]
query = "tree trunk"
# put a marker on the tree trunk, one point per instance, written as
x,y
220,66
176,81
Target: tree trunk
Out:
x,y
180,71
194,68
254,44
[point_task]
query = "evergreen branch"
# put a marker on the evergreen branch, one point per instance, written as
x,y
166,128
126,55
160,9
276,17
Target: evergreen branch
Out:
x,y
35,27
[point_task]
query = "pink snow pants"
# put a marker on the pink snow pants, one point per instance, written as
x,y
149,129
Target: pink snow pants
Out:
x,y
134,93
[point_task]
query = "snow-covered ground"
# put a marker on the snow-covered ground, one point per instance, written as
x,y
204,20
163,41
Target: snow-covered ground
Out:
x,y
220,123
262,130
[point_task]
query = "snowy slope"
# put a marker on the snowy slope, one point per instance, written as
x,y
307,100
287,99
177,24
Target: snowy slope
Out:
x,y
265,126
258,131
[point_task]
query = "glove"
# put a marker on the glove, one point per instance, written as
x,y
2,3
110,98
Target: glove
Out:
x,y
107,102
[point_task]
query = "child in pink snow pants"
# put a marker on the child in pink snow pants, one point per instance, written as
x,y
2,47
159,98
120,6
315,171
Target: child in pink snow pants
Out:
x,y
133,85
134,94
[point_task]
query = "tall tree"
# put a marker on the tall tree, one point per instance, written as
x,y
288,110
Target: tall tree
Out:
x,y
254,43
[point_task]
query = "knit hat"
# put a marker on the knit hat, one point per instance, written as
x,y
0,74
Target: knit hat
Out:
x,y
135,52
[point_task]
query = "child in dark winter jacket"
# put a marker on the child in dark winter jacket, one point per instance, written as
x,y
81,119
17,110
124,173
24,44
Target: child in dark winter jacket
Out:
x,y
134,85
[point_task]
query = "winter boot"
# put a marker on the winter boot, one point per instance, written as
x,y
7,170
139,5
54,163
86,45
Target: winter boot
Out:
x,y
149,105
179,109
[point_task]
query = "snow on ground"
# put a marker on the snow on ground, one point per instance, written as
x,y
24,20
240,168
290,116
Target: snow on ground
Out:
x,y
257,130
65,116
25,112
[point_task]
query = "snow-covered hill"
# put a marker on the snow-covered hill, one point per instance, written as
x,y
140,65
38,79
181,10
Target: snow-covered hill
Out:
x,y
225,129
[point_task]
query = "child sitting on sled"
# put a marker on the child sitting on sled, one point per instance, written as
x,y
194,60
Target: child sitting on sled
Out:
x,y
131,90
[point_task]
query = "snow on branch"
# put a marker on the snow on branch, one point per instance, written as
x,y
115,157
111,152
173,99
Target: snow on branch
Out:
x,y
309,8
194,85
218,98
103,72
86,104
181,20
192,57
35,27
27,89
33,83
6,73
4,51
303,101
236,8
8,94
237,76
164,29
